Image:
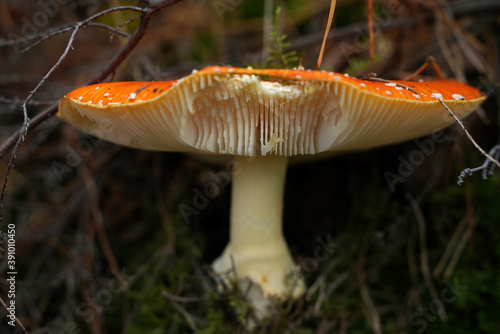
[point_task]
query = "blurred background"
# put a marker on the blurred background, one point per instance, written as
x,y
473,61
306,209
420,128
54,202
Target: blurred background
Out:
x,y
101,245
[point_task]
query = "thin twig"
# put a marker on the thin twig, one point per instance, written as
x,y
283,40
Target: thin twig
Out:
x,y
69,28
490,158
24,128
10,312
182,311
430,60
16,139
13,42
35,121
16,101
114,30
61,30
181,299
373,77
118,27
321,295
494,153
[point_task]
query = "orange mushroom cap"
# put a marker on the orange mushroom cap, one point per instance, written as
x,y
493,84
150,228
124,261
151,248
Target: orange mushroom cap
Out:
x,y
228,110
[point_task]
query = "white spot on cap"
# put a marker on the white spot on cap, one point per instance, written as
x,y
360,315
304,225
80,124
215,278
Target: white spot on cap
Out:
x,y
80,98
194,71
437,95
388,92
458,97
391,84
106,94
417,96
132,96
362,85
298,76
97,88
346,75
398,88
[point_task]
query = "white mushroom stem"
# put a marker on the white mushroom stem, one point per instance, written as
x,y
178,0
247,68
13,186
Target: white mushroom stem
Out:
x,y
257,248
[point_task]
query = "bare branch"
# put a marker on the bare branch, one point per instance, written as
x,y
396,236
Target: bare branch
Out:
x,y
35,121
42,36
373,77
16,139
21,135
491,157
488,157
66,29
486,168
16,101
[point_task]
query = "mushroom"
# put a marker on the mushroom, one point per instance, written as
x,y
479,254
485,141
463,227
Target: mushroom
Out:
x,y
231,111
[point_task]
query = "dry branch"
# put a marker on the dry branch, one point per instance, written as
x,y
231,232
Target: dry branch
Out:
x,y
14,142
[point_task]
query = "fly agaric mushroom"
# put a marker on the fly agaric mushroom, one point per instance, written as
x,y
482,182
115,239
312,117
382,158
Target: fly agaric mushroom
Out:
x,y
230,111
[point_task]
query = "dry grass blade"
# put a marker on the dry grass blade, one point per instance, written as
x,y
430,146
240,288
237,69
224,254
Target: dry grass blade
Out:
x,y
167,223
97,220
465,46
370,310
450,248
370,29
424,256
457,253
328,25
